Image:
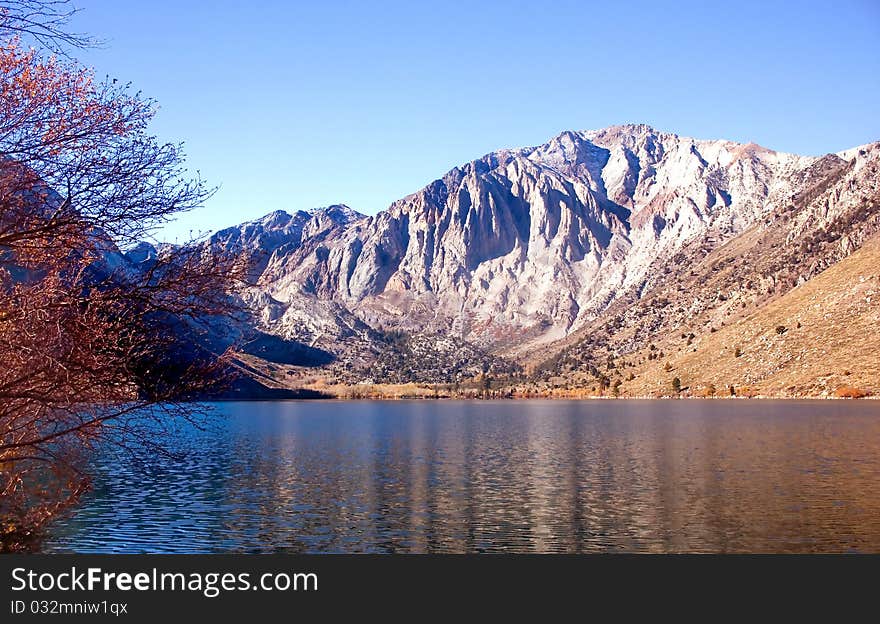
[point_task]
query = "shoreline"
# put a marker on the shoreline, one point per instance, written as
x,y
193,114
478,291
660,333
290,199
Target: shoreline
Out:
x,y
418,398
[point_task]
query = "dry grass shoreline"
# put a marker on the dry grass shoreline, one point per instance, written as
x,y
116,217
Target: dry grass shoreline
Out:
x,y
412,391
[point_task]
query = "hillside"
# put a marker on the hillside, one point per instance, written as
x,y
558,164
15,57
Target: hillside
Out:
x,y
819,337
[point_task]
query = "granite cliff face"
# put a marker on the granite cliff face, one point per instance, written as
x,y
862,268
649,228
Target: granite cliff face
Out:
x,y
520,243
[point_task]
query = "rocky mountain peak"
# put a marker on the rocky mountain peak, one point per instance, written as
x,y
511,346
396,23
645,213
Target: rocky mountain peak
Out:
x,y
339,213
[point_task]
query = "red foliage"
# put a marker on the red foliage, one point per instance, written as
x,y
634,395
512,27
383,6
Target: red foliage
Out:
x,y
89,348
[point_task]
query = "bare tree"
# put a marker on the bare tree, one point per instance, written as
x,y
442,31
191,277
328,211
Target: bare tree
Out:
x,y
93,350
44,21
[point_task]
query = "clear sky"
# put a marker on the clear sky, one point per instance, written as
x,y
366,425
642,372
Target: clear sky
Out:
x,y
292,105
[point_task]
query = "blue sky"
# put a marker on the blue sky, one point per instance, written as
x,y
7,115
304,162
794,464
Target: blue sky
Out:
x,y
293,105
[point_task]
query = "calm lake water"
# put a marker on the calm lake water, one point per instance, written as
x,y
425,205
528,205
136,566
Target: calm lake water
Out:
x,y
528,476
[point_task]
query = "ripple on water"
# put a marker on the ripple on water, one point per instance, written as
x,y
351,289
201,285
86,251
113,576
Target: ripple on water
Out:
x,y
593,476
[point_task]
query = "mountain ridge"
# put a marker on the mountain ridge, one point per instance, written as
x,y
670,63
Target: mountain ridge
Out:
x,y
522,249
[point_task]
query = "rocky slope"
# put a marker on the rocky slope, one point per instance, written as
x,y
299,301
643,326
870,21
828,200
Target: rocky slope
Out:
x,y
591,245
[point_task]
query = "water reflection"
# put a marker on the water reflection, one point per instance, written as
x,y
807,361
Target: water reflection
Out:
x,y
599,476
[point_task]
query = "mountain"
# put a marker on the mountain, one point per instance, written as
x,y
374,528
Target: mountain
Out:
x,y
560,257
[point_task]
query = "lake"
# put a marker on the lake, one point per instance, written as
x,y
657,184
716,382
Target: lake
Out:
x,y
498,476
